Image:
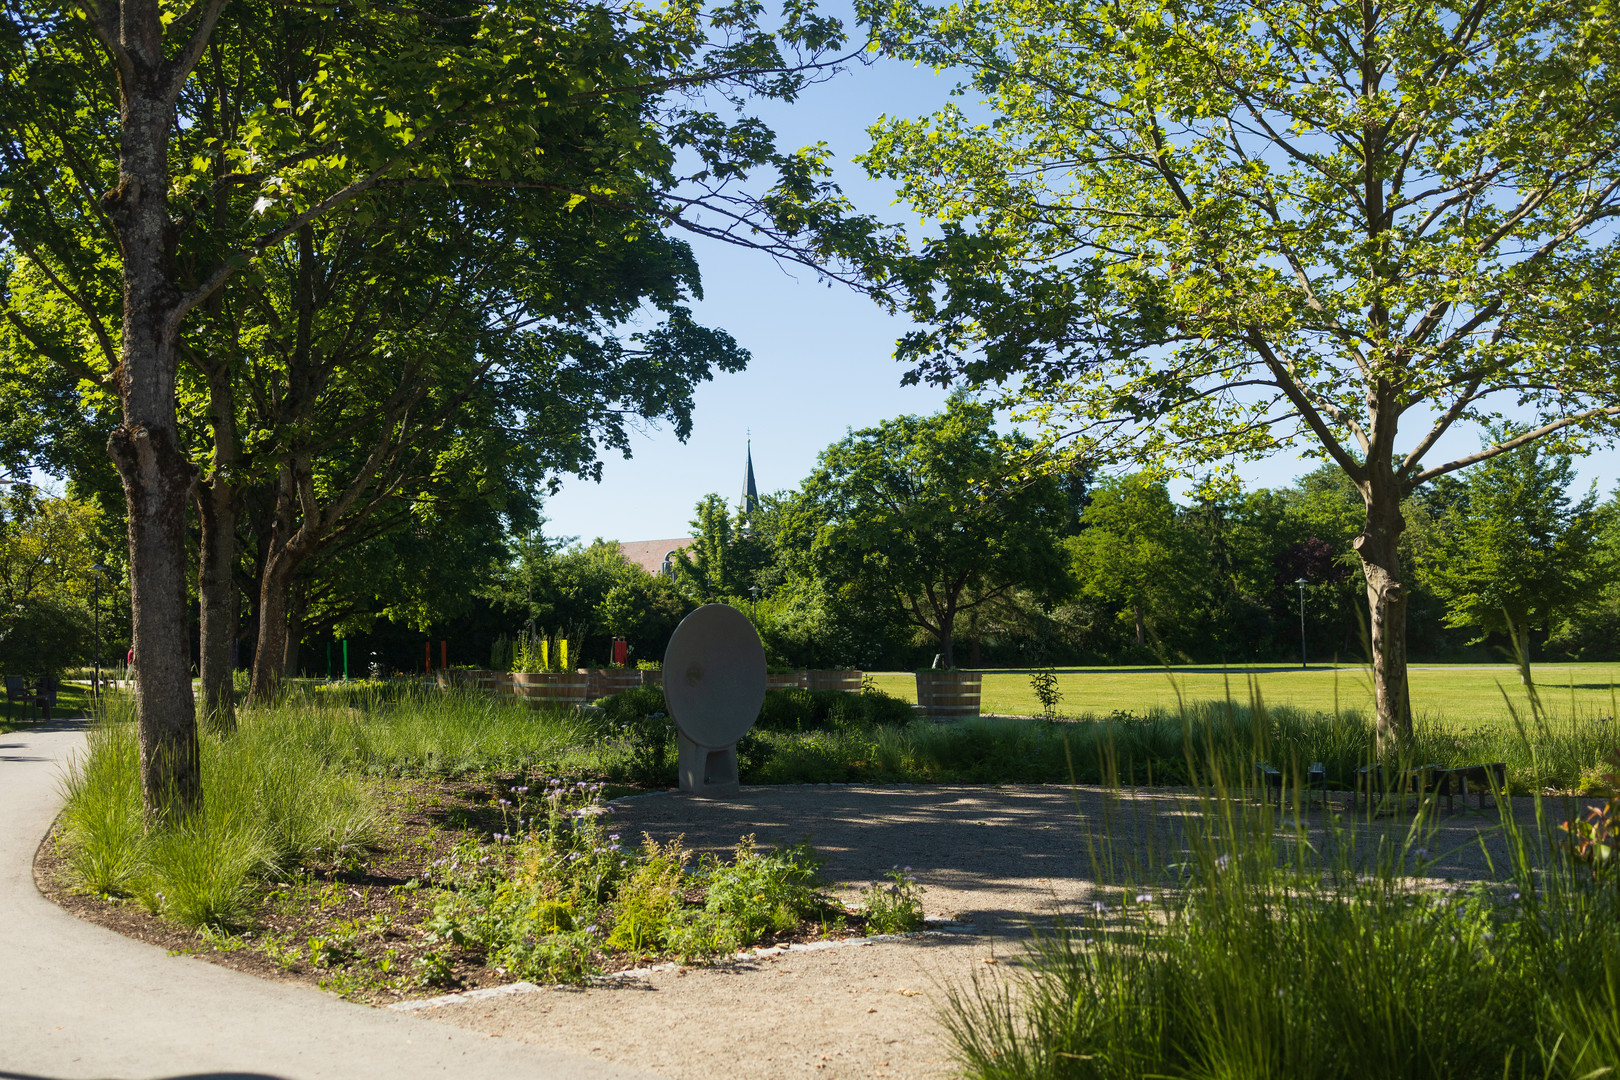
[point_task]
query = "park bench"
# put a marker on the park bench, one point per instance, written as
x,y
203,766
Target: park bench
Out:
x,y
1490,778
1386,782
1272,779
1434,777
41,695
17,690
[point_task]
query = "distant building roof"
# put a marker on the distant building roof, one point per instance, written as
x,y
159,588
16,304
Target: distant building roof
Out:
x,y
650,554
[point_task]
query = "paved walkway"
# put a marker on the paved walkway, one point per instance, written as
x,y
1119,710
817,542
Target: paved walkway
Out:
x,y
80,1002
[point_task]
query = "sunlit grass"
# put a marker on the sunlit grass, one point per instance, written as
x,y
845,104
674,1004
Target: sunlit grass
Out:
x,y
1461,695
1248,952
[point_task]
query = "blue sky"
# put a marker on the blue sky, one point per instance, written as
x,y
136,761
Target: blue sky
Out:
x,y
822,357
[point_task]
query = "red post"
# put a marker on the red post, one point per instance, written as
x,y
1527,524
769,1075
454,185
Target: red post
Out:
x,y
427,647
444,653
621,652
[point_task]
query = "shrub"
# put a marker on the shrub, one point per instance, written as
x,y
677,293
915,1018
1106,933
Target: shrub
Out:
x,y
650,899
894,907
757,894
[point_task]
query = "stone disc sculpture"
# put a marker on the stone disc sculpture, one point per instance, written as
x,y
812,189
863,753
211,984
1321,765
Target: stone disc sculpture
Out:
x,y
714,681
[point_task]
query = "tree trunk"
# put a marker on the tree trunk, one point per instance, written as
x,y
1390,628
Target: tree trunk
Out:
x,y
157,478
216,587
1141,627
947,655
1519,631
1378,546
270,651
289,545
295,627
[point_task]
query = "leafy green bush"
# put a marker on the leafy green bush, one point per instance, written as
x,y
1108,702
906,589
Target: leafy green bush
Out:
x,y
815,710
895,906
546,903
757,894
651,898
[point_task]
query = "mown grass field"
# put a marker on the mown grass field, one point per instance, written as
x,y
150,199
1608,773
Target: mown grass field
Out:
x,y
1462,694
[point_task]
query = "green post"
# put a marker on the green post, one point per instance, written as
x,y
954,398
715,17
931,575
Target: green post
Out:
x,y
345,659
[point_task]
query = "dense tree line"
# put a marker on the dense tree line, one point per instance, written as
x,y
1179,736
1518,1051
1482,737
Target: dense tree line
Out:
x,y
925,537
1088,569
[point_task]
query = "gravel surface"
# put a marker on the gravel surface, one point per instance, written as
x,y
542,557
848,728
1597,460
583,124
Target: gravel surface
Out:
x,y
995,857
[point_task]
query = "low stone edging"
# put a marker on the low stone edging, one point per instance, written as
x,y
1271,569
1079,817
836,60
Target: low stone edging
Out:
x,y
941,928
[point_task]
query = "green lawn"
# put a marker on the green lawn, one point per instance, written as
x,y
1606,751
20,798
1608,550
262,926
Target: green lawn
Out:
x,y
1453,694
73,699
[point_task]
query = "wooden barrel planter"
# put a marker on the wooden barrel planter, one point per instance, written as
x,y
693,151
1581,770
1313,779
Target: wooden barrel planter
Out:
x,y
785,680
949,695
605,682
564,689
848,681
482,680
651,676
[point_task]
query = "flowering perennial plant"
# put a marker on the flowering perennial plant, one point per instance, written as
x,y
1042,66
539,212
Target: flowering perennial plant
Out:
x,y
893,906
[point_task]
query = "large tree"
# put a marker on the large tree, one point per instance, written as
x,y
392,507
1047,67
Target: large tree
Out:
x,y
1190,231
1133,553
108,132
1512,550
934,516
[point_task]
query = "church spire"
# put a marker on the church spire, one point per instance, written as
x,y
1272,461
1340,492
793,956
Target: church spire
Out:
x,y
750,493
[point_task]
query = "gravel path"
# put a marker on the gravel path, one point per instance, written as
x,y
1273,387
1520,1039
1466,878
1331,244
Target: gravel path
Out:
x,y
995,857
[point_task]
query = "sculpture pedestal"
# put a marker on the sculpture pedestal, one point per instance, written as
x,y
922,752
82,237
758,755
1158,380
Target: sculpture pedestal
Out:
x,y
707,770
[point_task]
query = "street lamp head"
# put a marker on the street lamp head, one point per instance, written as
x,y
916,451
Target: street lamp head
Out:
x,y
1302,582
99,567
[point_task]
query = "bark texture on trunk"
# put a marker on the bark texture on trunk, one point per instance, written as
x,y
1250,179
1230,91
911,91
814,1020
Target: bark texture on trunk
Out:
x,y
290,543
1379,548
295,626
1519,631
156,475
217,607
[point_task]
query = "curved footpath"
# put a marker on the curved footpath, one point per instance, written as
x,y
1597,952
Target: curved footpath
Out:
x,y
80,1002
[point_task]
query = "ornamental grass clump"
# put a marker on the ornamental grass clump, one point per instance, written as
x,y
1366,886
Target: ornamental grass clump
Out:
x,y
271,803
1250,949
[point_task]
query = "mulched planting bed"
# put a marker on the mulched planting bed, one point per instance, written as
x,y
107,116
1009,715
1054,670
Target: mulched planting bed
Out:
x,y
363,929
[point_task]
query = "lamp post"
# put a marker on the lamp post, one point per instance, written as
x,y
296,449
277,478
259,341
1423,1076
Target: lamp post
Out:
x,y
1302,582
95,604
